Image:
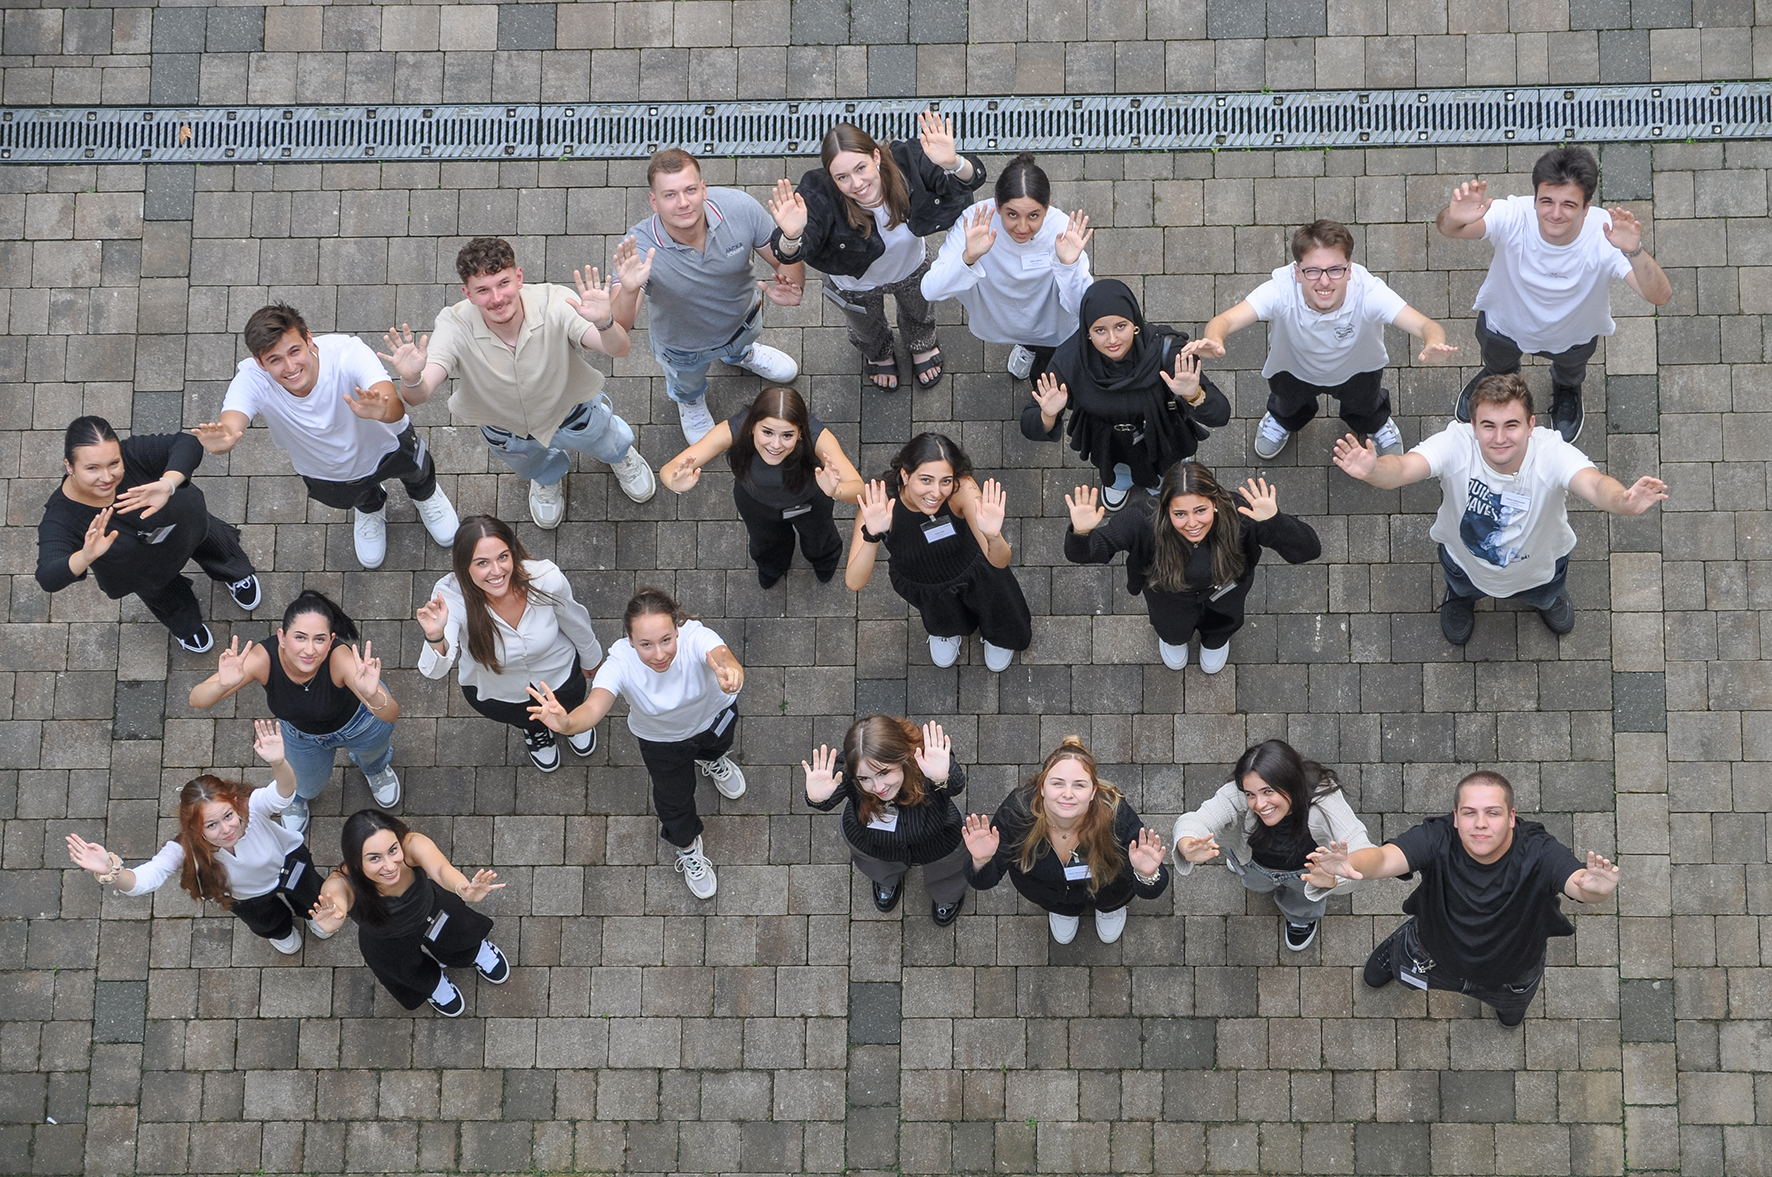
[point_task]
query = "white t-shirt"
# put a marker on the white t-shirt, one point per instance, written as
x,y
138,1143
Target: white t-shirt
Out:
x,y
1506,531
904,253
253,866
1547,297
682,702
324,439
1326,348
1017,292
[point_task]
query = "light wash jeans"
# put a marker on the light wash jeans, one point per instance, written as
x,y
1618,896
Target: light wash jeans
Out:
x,y
686,372
368,740
1287,888
591,428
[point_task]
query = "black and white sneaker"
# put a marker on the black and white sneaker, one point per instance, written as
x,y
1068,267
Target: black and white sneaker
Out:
x,y
246,593
584,743
1379,972
500,971
199,642
1112,500
543,751
1299,936
454,1006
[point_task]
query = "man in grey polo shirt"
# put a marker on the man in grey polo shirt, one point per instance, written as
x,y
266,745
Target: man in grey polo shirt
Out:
x,y
692,258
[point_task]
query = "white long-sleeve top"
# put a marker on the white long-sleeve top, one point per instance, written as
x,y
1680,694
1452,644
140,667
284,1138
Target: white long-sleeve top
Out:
x,y
540,649
1015,293
1332,819
253,865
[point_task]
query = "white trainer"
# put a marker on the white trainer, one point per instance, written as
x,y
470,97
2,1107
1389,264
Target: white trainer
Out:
x,y
290,944
697,421
1021,362
997,658
370,534
772,364
318,932
635,476
1271,437
1213,661
726,775
1174,657
1109,925
547,504
439,517
697,871
1064,927
295,816
1388,439
944,651
384,786
1112,500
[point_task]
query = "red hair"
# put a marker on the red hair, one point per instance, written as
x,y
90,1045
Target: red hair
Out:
x,y
202,876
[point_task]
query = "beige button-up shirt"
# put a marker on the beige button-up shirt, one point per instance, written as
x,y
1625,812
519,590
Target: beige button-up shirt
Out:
x,y
527,390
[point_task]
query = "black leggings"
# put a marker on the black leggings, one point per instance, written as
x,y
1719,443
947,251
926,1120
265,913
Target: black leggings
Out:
x,y
571,693
273,915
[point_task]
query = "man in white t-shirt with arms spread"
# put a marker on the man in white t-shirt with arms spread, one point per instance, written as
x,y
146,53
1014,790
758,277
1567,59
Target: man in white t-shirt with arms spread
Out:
x,y
1548,289
344,446
1328,317
1503,526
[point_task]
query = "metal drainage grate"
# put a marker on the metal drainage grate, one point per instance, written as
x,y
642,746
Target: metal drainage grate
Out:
x,y
1160,122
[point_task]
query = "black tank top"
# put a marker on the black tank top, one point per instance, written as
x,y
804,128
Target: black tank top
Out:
x,y
918,558
318,706
407,912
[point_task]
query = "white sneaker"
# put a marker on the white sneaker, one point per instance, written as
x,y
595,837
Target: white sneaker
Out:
x,y
997,658
439,517
197,643
318,932
290,944
635,476
1174,657
384,786
1112,499
1064,927
944,651
1271,438
697,421
544,751
770,363
295,816
727,776
370,533
547,504
697,871
584,743
1388,439
1109,925
1021,362
1213,661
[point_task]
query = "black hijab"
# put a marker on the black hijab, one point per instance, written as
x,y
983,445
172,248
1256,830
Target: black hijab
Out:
x,y
1130,389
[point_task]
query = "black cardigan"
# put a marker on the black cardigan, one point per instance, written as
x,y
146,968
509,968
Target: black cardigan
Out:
x,y
1132,532
926,833
832,245
1045,885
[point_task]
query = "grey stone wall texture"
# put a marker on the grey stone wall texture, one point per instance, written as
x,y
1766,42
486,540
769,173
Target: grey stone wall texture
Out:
x,y
786,1026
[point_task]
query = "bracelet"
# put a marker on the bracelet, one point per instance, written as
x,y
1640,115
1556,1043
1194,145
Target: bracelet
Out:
x,y
870,537
385,701
116,868
790,244
1150,882
420,384
1632,252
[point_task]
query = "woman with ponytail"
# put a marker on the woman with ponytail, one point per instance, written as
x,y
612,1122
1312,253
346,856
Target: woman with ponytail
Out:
x,y
1069,843
1018,266
231,849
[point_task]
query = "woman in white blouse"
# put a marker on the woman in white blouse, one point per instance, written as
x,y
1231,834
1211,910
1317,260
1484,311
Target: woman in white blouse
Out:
x,y
1285,807
1018,266
230,848
514,624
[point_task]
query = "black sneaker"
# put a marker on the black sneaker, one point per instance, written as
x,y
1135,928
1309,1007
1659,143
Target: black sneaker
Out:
x,y
199,642
885,899
246,593
1458,619
1299,936
1510,1022
947,913
1560,617
768,580
1567,415
824,574
500,972
1462,410
454,1007
1379,972
543,751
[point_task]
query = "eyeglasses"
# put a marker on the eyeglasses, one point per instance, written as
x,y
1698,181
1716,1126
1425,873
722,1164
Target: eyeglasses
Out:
x,y
1333,273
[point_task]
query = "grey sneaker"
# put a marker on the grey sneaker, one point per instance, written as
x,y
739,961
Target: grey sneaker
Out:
x,y
1560,617
697,871
727,776
1021,362
1387,439
634,476
295,816
1271,437
384,786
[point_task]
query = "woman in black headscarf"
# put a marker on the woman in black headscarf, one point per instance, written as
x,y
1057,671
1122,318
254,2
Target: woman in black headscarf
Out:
x,y
1137,404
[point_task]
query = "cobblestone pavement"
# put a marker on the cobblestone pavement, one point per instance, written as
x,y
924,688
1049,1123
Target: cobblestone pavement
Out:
x,y
787,1026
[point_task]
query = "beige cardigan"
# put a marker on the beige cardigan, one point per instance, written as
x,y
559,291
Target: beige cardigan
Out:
x,y
1332,819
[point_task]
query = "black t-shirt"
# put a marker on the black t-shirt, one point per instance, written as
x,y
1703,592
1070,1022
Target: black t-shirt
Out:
x,y
1487,924
764,482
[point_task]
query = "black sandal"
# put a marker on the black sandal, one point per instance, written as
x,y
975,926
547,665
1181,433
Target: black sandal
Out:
x,y
935,361
886,367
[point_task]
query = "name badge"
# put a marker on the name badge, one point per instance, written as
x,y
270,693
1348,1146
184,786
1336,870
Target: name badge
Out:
x,y
158,535
725,721
1516,500
1035,262
1076,872
886,821
938,529
295,872
1222,591
436,928
1409,976
796,512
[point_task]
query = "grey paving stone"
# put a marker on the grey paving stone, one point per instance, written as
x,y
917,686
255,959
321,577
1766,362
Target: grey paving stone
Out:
x,y
874,1013
235,30
119,1011
526,26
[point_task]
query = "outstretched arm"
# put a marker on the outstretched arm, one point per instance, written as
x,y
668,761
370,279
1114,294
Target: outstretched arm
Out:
x,y
1613,497
1434,348
1222,325
1385,471
1336,861
1594,883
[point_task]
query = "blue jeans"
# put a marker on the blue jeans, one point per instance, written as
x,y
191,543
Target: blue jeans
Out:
x,y
1541,597
369,741
686,372
591,428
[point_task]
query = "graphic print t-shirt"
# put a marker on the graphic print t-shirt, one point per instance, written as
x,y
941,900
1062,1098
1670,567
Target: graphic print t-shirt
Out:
x,y
1506,531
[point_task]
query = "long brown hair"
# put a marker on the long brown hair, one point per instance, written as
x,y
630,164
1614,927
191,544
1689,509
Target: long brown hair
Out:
x,y
483,639
368,904
1100,847
203,876
848,137
1169,555
784,404
885,740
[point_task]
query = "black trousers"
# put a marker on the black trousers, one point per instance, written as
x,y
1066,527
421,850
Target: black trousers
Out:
x,y
273,916
772,537
221,556
409,461
1509,1001
1501,355
672,767
571,693
1365,405
410,966
1176,616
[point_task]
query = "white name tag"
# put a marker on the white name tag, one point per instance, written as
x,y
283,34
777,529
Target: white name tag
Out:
x,y
725,721
1035,262
1411,977
1516,500
1076,872
796,512
158,535
886,821
932,532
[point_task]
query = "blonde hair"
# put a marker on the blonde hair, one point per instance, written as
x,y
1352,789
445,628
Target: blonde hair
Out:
x,y
1105,856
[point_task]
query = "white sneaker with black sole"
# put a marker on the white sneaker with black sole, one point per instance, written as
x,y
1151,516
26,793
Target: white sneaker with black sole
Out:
x,y
246,593
547,504
634,476
1021,362
290,944
697,871
584,743
1271,437
772,364
544,752
369,535
697,421
1112,500
1388,439
384,786
726,775
197,643
439,517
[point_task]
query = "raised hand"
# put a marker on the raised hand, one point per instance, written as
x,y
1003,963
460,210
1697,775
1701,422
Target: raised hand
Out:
x,y
1075,238
267,740
1146,853
1598,879
822,775
1625,231
936,133
981,839
936,757
829,479
1050,395
329,911
592,300
88,856
1436,353
727,672
547,708
215,437
782,290
432,616
1644,493
376,403
1358,459
993,506
631,266
98,541
144,499
1185,384
480,886
1469,202
681,475
981,232
407,355
1263,500
366,679
788,208
1086,509
1197,850
230,671
1332,861
1212,349
876,507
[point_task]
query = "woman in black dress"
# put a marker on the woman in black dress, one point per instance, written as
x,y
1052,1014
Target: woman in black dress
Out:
x,y
949,558
1070,843
899,782
1137,404
1190,555
411,909
143,487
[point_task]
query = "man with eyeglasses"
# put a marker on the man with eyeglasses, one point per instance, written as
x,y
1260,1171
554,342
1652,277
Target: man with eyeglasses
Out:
x,y
1548,289
1328,315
